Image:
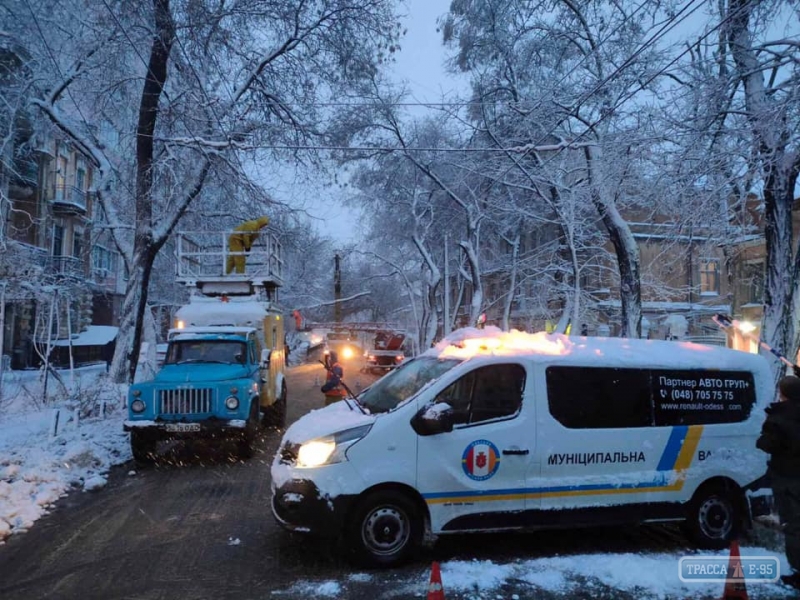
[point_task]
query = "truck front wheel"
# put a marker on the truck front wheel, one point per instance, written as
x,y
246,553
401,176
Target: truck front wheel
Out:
x,y
248,440
275,415
143,447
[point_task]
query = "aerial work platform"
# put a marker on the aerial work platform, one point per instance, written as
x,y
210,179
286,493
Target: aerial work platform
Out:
x,y
204,259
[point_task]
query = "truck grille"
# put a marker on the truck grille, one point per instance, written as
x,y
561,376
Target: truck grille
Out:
x,y
186,401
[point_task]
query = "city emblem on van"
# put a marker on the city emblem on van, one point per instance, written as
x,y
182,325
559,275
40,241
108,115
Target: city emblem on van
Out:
x,y
480,460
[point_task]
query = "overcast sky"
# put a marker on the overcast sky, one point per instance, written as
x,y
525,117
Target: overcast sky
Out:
x,y
420,64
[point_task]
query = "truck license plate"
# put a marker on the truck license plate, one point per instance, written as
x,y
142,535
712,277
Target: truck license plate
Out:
x,y
181,427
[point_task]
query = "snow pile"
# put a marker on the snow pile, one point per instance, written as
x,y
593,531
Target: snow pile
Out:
x,y
36,467
645,576
651,575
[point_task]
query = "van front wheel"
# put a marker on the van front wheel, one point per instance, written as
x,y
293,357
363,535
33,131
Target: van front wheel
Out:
x,y
714,517
385,529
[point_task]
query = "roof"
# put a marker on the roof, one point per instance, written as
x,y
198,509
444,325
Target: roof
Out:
x,y
599,351
95,335
204,311
217,330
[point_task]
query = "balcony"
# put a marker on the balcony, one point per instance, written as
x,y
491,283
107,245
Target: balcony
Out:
x,y
65,266
68,199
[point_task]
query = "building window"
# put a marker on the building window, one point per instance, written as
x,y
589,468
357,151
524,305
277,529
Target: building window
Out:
x,y
751,283
104,260
58,240
709,276
77,244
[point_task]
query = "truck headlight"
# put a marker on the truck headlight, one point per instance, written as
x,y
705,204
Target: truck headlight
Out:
x,y
329,450
232,402
137,406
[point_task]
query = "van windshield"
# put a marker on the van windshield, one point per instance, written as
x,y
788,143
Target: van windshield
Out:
x,y
403,382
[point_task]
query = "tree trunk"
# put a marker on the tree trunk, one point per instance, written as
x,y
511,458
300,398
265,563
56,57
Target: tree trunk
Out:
x,y
512,285
144,248
630,285
477,286
779,167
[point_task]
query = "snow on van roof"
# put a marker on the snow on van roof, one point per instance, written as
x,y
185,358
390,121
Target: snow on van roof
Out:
x,y
469,342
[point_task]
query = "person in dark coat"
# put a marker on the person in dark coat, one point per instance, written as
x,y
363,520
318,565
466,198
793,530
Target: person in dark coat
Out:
x,y
780,438
333,380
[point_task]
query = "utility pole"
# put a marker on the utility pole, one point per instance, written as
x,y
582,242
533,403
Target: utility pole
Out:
x,y
337,290
2,333
446,324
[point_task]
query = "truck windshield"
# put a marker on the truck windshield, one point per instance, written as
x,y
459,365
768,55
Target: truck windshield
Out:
x,y
206,351
403,382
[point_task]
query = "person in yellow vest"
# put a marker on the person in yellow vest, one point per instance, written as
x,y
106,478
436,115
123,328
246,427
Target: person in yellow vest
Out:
x,y
242,240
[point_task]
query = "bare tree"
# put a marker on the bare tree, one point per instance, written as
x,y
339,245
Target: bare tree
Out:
x,y
767,72
212,82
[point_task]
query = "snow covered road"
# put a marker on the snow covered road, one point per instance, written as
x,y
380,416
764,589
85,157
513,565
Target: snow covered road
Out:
x,y
198,525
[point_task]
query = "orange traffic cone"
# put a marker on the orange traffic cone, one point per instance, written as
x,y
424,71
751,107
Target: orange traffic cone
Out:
x,y
735,588
435,589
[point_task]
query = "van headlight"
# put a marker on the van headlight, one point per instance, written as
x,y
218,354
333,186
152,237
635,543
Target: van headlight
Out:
x,y
232,402
137,406
331,449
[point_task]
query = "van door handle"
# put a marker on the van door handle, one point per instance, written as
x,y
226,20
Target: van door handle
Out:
x,y
515,452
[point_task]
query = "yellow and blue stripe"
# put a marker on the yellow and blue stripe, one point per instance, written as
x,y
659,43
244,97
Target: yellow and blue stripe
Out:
x,y
677,458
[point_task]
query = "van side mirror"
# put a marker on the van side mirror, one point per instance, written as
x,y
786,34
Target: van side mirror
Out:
x,y
265,356
433,419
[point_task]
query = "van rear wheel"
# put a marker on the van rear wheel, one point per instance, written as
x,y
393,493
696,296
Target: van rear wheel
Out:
x,y
714,516
384,529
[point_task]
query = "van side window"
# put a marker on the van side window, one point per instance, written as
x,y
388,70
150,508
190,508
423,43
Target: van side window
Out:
x,y
486,393
688,397
599,398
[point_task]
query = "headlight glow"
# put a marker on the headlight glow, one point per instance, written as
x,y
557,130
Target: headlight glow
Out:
x,y
181,325
347,352
315,453
329,450
232,403
137,406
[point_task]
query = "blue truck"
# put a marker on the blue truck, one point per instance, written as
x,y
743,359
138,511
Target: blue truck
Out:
x,y
223,374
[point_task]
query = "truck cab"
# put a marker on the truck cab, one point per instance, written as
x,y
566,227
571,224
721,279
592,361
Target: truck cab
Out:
x,y
223,370
210,384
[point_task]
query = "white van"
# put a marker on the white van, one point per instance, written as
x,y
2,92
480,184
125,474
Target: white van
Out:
x,y
498,431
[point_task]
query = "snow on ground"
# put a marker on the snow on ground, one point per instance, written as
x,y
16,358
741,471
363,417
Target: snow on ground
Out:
x,y
646,576
36,466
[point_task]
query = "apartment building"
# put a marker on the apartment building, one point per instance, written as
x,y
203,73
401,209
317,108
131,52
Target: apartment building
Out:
x,y
59,274
688,274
